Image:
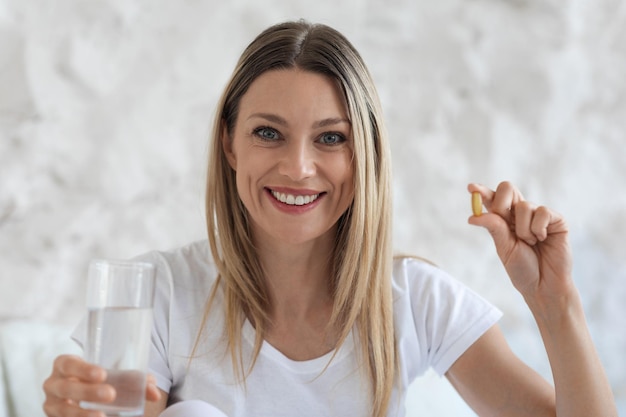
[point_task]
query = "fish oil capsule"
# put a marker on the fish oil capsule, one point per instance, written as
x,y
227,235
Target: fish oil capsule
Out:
x,y
477,203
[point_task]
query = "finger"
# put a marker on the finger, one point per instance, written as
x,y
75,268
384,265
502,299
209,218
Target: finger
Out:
x,y
499,230
499,201
546,222
485,192
525,227
74,379
66,408
66,366
152,391
504,199
76,390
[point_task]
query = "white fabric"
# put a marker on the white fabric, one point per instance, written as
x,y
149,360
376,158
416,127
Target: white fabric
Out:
x,y
192,408
436,320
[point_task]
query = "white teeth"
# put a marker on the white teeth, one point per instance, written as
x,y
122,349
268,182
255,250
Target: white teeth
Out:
x,y
293,200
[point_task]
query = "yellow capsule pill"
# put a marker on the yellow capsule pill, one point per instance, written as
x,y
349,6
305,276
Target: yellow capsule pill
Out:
x,y
477,203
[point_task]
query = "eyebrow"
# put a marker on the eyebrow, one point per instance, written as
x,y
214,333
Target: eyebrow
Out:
x,y
281,121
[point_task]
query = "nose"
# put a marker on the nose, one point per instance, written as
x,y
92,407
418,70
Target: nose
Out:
x,y
298,161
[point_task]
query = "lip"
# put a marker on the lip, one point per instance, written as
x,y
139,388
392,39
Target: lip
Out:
x,y
294,191
294,209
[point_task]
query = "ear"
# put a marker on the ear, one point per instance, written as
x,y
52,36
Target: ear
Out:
x,y
227,147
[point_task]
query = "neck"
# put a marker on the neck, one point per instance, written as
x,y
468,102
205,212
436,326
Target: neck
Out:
x,y
298,276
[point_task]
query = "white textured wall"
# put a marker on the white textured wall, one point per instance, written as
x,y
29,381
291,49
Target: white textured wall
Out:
x,y
105,108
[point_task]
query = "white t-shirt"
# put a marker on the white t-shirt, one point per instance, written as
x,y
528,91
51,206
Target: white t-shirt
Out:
x,y
436,319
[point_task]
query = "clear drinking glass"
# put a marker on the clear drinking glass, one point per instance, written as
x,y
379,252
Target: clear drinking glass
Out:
x,y
120,295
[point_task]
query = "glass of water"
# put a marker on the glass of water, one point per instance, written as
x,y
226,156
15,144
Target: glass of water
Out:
x,y
120,295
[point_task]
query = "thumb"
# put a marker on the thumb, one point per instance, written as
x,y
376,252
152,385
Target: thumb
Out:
x,y
497,227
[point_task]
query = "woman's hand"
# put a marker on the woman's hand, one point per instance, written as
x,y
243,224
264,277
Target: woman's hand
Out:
x,y
73,380
531,241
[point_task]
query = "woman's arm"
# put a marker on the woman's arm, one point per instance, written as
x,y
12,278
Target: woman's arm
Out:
x,y
579,377
494,382
532,243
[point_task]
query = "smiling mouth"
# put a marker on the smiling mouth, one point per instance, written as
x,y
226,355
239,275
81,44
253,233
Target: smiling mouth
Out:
x,y
294,200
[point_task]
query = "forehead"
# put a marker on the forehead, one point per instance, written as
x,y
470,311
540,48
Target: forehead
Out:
x,y
295,93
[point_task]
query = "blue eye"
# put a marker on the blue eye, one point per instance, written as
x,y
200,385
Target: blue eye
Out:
x,y
332,139
266,133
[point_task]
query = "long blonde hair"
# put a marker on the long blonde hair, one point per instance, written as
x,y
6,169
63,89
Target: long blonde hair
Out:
x,y
361,283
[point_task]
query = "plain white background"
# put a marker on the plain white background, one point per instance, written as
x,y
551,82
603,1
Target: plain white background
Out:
x,y
105,109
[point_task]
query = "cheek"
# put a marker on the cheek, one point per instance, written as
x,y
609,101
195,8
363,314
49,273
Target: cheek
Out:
x,y
249,172
344,171
244,188
243,176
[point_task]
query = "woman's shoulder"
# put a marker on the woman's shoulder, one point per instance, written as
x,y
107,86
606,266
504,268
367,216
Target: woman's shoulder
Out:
x,y
190,264
436,315
411,268
415,276
193,253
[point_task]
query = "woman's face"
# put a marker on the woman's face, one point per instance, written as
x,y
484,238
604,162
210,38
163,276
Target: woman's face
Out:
x,y
292,149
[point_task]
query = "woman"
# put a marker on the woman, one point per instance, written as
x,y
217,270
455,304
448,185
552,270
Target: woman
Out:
x,y
295,306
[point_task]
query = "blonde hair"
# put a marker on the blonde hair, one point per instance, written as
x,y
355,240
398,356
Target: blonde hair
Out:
x,y
361,283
